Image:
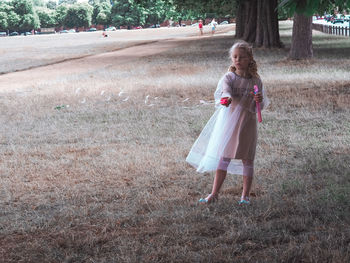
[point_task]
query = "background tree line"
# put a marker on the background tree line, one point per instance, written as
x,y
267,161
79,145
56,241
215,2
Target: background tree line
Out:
x,y
25,15
256,20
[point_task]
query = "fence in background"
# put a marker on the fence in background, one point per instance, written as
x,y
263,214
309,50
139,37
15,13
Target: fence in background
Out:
x,y
332,29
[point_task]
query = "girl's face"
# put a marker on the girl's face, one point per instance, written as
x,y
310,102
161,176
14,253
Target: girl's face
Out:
x,y
240,59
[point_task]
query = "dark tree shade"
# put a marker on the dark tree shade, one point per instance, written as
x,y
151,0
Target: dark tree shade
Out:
x,y
301,47
303,10
257,22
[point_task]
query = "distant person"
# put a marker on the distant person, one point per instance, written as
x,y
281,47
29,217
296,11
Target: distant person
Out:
x,y
200,26
213,25
227,143
180,22
104,34
171,22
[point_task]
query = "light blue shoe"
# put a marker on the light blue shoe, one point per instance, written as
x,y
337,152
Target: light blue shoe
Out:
x,y
203,200
243,201
209,199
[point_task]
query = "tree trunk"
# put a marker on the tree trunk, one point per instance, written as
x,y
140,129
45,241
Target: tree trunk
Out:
x,y
250,26
301,47
257,22
239,19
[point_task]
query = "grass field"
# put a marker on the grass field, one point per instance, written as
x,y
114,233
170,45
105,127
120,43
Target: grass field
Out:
x,y
104,178
23,52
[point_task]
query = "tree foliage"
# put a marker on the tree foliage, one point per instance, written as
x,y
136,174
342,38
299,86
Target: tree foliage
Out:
x,y
22,7
310,7
127,13
5,10
23,16
46,16
101,13
3,21
37,3
68,2
51,4
301,47
29,22
60,14
155,11
93,2
13,21
78,15
18,15
208,8
70,13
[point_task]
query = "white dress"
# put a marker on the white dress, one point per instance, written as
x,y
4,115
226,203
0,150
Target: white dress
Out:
x,y
231,133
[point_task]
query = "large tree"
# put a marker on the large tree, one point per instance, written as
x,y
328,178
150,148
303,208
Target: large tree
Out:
x,y
301,47
5,11
3,21
257,22
61,13
47,17
303,10
156,11
101,13
127,13
78,15
28,17
29,22
207,8
13,21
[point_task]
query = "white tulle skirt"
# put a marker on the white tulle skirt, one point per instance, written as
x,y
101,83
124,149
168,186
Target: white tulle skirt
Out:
x,y
230,134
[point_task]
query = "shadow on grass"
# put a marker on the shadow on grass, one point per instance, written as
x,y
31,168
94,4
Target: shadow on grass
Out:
x,y
319,183
331,46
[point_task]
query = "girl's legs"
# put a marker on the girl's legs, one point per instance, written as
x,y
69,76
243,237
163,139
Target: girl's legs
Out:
x,y
248,173
219,179
220,176
221,172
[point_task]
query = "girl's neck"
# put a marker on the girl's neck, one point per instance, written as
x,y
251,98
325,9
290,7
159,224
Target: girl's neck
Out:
x,y
242,73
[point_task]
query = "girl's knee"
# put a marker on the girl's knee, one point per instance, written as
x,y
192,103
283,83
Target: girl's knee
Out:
x,y
224,163
248,168
248,162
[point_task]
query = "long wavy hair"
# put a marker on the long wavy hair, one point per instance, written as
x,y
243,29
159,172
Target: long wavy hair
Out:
x,y
252,67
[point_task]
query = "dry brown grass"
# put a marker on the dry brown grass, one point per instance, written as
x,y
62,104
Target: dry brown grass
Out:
x,y
105,180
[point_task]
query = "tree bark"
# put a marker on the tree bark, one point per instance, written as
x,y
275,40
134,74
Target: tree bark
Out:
x,y
240,18
301,47
250,26
257,22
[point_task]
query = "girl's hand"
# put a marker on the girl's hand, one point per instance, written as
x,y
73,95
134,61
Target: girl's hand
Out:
x,y
257,97
225,101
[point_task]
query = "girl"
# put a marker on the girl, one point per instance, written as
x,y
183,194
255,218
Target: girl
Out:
x,y
213,25
200,26
228,141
